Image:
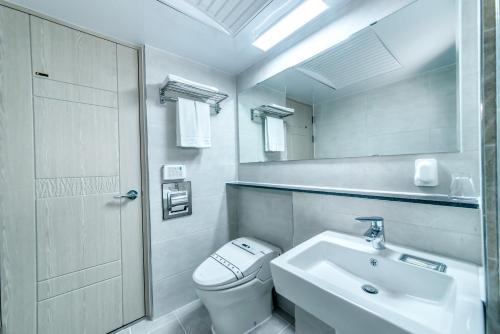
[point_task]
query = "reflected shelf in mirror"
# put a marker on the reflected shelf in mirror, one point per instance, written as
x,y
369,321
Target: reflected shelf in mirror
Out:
x,y
272,110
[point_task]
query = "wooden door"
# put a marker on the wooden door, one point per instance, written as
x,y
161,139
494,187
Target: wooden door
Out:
x,y
87,153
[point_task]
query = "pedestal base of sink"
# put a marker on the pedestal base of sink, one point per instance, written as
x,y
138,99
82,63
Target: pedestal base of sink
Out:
x,y
306,323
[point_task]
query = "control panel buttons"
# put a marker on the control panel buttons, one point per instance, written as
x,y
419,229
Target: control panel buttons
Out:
x,y
228,265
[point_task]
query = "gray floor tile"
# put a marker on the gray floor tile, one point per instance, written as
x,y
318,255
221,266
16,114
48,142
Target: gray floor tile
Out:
x,y
194,318
172,327
284,315
274,325
288,330
124,331
167,324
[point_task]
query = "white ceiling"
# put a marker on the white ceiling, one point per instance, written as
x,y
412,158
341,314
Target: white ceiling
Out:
x,y
154,23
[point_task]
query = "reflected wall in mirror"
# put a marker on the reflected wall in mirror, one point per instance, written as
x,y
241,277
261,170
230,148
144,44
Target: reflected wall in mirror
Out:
x,y
389,89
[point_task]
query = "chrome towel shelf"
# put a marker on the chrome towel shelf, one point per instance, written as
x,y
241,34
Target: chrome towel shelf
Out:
x,y
271,110
175,89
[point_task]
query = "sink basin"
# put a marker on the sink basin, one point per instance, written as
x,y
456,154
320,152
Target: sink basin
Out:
x,y
325,275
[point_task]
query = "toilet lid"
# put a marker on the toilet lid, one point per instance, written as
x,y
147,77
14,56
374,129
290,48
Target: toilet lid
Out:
x,y
212,273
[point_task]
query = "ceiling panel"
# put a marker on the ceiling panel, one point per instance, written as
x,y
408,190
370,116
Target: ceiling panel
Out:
x,y
359,58
233,15
213,8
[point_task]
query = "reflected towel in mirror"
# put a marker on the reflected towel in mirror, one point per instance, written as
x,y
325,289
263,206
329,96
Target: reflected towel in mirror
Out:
x,y
274,134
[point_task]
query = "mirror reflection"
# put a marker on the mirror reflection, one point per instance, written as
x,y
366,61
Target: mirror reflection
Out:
x,y
389,89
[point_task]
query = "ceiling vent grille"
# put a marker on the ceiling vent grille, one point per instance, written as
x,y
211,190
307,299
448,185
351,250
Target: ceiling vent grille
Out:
x,y
359,58
233,15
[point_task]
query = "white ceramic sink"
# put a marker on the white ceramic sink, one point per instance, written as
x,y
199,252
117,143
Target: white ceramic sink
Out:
x,y
324,276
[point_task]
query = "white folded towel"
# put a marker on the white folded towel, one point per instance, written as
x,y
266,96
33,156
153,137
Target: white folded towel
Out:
x,y
172,77
274,134
193,124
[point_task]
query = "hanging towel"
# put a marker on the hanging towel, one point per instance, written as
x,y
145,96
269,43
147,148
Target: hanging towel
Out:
x,y
193,124
274,134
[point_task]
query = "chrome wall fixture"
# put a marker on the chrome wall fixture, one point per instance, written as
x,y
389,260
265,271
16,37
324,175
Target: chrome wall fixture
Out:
x,y
176,199
175,89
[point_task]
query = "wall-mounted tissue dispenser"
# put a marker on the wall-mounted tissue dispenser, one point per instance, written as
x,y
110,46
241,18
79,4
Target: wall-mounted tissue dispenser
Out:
x,y
176,199
426,173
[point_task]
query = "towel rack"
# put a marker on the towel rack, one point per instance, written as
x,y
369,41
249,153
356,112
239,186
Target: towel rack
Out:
x,y
175,89
271,110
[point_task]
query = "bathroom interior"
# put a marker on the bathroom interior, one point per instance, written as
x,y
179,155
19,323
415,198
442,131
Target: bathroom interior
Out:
x,y
252,166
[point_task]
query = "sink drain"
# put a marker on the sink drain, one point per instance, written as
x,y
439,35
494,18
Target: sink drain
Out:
x,y
370,289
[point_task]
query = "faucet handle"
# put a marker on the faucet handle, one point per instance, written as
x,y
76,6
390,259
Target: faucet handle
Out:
x,y
376,221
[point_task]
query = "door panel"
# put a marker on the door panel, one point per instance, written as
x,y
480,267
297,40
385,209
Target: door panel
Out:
x,y
75,233
73,93
84,260
67,283
130,178
93,309
75,139
87,151
72,56
74,186
17,203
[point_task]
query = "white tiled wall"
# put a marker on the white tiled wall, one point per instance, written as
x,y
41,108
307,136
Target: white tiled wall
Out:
x,y
266,215
179,245
289,218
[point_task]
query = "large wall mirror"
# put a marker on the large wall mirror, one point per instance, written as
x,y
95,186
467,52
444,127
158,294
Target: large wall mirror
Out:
x,y
388,89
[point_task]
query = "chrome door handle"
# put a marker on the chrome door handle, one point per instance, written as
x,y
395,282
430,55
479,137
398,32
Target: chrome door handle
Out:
x,y
131,194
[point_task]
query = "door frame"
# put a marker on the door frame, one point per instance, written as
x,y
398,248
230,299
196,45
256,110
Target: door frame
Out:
x,y
146,231
146,225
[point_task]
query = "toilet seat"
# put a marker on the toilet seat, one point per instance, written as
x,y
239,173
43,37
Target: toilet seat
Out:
x,y
215,286
234,264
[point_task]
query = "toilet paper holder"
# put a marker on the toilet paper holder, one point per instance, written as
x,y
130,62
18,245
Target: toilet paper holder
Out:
x,y
176,199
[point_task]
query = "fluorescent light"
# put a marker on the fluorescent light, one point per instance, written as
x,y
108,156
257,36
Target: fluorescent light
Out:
x,y
298,17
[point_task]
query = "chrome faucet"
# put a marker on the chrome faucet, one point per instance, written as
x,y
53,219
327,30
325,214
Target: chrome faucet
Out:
x,y
375,234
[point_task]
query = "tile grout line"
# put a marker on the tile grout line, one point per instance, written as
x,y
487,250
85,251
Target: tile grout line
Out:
x,y
180,322
283,329
195,232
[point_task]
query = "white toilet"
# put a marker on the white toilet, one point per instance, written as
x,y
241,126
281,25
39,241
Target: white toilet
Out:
x,y
235,285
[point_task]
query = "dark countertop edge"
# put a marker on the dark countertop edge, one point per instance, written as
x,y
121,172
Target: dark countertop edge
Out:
x,y
470,203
